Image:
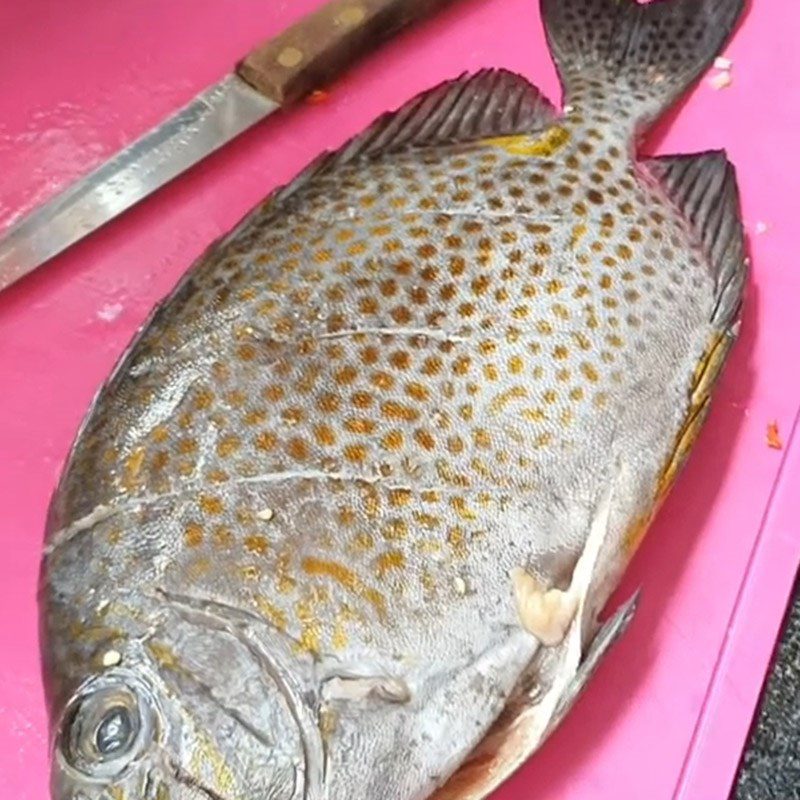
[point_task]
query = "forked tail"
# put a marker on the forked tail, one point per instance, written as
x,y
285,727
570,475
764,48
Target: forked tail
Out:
x,y
635,59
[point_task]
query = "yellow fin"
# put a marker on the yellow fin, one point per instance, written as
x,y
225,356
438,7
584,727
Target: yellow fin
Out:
x,y
705,377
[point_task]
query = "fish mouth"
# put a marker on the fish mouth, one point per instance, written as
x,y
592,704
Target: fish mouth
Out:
x,y
153,788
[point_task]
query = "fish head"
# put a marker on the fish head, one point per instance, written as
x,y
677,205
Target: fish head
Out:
x,y
184,712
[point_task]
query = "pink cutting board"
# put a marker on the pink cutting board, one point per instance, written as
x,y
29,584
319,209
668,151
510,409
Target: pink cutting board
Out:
x,y
667,715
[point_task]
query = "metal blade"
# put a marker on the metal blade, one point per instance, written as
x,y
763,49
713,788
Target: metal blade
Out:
x,y
213,118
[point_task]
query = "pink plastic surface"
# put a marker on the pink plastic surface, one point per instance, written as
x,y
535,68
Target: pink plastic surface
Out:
x,y
667,714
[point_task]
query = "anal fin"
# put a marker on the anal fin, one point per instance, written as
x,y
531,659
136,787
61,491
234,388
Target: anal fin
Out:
x,y
703,187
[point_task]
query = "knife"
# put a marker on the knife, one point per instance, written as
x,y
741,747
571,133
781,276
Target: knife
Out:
x,y
275,74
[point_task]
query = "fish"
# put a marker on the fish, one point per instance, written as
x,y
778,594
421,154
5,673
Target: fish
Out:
x,y
343,521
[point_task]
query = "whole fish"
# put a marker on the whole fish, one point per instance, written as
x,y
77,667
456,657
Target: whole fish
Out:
x,y
341,523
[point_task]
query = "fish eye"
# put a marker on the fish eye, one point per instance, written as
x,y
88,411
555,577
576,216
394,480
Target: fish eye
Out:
x,y
115,732
105,728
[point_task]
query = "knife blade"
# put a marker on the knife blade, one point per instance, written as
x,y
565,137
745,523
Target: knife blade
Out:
x,y
272,76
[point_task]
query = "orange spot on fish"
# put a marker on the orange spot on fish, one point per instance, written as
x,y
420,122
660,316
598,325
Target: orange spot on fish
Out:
x,y
347,578
395,529
393,560
393,440
211,505
193,534
274,614
256,544
356,453
133,466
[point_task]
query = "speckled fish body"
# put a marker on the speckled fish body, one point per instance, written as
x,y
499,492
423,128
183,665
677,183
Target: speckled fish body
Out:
x,y
349,505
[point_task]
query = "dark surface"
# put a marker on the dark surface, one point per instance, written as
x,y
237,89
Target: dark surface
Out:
x,y
770,768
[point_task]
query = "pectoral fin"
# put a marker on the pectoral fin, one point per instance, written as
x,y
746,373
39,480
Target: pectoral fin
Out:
x,y
527,723
555,680
603,641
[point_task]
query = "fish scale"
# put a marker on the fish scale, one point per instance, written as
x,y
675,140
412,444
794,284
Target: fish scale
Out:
x,y
375,421
475,343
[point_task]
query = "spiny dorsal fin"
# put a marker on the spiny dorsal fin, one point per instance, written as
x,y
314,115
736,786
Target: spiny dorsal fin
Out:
x,y
703,186
492,102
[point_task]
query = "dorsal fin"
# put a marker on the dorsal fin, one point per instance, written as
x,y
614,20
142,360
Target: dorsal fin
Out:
x,y
492,102
703,186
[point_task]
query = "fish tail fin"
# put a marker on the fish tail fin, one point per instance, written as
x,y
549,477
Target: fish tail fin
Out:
x,y
636,58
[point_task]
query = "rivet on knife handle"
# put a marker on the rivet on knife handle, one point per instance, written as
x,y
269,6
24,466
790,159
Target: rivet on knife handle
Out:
x,y
319,46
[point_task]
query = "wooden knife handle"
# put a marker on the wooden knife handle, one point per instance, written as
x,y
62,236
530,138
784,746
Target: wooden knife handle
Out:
x,y
313,51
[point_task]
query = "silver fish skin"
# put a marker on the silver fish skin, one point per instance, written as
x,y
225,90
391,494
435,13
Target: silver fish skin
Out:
x,y
340,524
